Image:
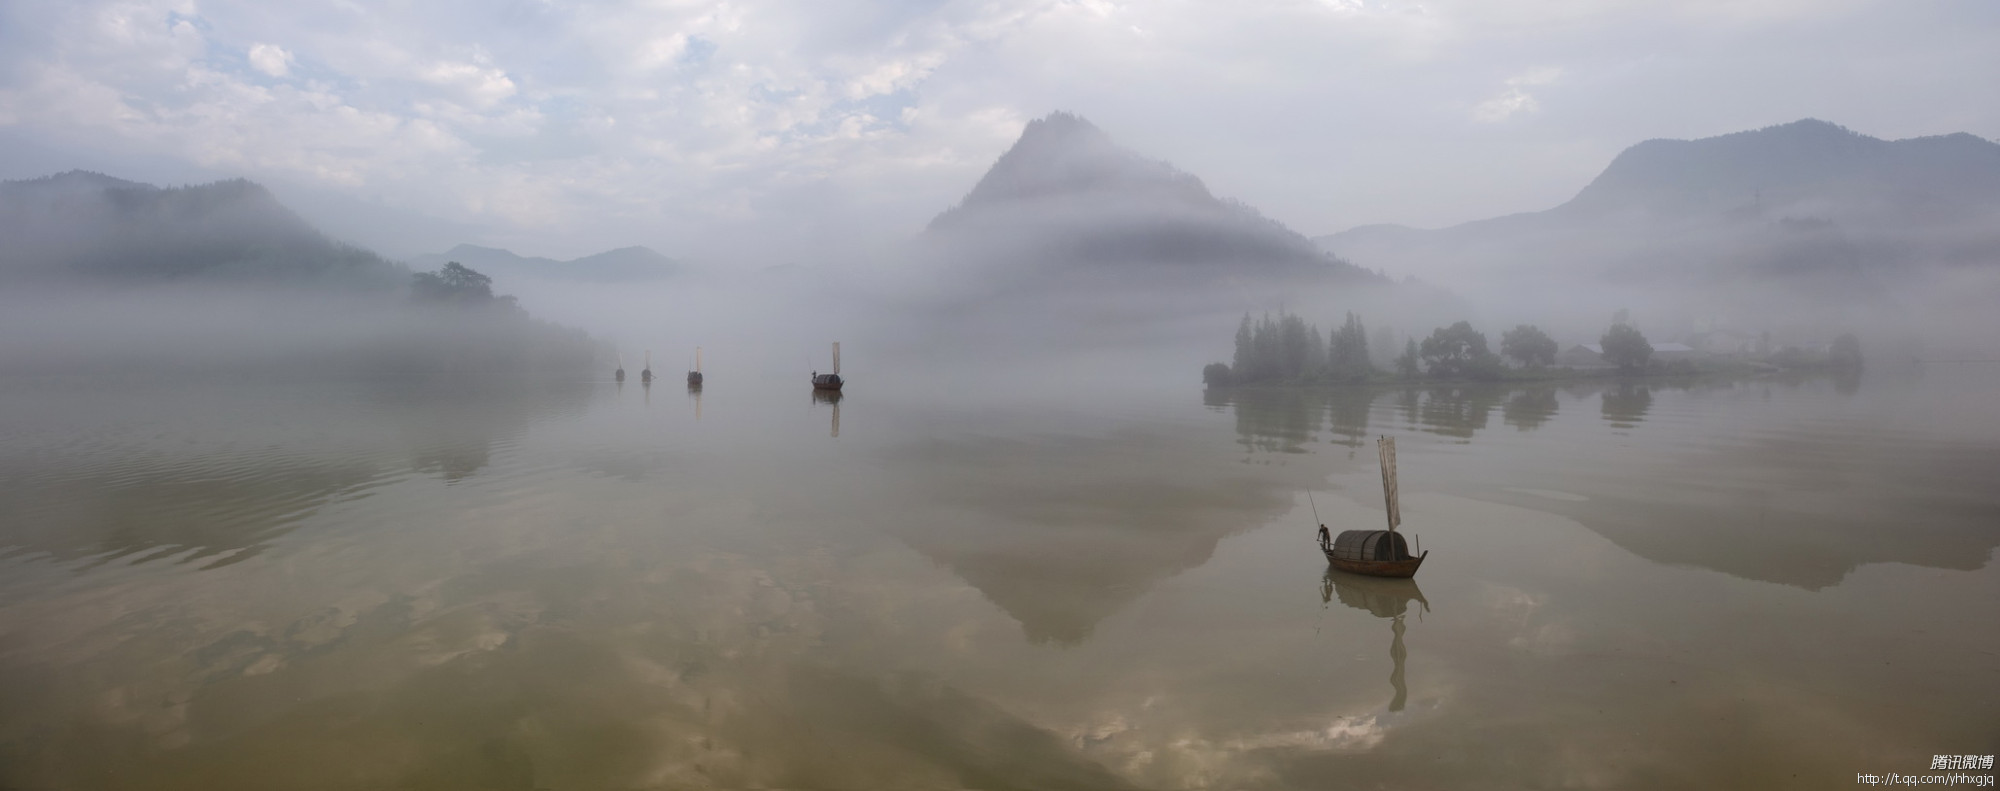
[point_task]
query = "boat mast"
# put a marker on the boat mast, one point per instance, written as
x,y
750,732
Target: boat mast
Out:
x,y
836,358
1386,446
697,359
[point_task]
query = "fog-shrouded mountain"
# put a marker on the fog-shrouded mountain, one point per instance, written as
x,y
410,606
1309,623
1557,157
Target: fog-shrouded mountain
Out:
x,y
625,264
1798,217
1067,198
103,274
1803,169
81,227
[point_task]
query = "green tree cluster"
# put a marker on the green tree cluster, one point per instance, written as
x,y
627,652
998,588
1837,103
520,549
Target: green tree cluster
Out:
x,y
1285,348
456,283
1282,349
1626,348
1347,354
1530,346
1459,352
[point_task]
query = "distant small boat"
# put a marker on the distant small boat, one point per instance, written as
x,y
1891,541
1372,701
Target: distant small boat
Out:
x,y
1377,553
694,376
620,373
830,381
646,373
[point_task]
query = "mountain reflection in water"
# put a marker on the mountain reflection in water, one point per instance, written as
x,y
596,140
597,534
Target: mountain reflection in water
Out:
x,y
1799,498
215,585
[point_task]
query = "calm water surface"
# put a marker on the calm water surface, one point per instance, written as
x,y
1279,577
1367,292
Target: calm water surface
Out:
x,y
1759,584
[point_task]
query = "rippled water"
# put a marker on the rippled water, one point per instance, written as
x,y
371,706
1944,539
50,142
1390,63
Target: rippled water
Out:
x,y
1752,584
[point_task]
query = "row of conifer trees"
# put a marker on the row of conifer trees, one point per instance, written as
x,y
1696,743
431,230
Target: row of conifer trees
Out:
x,y
1287,349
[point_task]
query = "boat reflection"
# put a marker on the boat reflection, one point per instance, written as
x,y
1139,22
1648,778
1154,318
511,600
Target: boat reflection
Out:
x,y
821,396
1382,597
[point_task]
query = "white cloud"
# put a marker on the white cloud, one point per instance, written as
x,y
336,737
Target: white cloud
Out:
x,y
1514,99
690,122
478,83
271,59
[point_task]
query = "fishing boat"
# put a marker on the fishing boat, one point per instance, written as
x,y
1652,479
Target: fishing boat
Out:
x,y
620,373
1377,553
646,373
830,381
694,376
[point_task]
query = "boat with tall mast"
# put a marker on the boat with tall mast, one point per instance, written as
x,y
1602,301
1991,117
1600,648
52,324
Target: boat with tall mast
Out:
x,y
1377,553
830,381
646,373
694,376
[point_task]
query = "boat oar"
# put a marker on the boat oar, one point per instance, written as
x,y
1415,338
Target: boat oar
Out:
x,y
1316,519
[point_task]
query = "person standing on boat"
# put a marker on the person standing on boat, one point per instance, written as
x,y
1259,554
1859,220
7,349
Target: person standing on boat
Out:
x,y
1324,537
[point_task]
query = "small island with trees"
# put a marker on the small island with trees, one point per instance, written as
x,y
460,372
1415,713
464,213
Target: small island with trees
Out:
x,y
1285,350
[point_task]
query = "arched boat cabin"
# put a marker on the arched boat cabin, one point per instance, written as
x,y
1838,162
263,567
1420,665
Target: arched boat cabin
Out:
x,y
1379,553
1370,545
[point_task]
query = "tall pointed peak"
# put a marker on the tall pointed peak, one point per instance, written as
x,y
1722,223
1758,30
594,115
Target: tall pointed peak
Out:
x,y
1061,128
1064,155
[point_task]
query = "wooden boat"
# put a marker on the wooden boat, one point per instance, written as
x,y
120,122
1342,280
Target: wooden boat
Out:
x,y
646,373
694,376
620,373
830,381
1377,553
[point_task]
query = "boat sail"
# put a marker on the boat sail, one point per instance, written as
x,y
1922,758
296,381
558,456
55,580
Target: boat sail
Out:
x,y
1378,553
1386,449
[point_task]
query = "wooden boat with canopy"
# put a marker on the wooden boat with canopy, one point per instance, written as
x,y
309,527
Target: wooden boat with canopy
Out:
x,y
694,376
830,381
1377,553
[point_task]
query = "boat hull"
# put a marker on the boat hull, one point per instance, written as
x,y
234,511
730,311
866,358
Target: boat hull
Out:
x,y
694,378
1377,568
828,382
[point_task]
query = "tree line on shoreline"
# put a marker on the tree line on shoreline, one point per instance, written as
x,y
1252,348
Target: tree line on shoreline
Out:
x,y
1287,350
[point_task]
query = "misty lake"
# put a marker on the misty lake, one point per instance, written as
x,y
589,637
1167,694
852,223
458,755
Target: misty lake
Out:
x,y
1766,583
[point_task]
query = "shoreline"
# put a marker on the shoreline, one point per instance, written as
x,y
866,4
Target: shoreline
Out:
x,y
1551,377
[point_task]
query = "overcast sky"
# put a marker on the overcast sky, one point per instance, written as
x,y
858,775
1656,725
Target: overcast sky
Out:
x,y
768,131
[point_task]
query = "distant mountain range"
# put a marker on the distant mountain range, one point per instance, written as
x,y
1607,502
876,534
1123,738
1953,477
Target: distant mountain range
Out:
x,y
1067,198
1807,203
625,264
88,227
117,275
